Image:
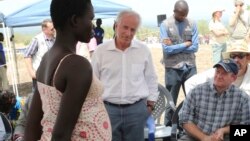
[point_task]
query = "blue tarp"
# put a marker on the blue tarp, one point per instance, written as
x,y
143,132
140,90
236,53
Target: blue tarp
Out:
x,y
20,13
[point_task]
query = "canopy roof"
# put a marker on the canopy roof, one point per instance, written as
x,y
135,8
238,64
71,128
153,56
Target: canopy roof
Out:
x,y
20,13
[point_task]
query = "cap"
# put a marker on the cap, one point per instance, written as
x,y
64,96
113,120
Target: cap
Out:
x,y
229,65
217,8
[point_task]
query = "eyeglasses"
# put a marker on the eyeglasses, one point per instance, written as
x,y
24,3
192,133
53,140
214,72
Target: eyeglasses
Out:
x,y
52,29
239,5
239,55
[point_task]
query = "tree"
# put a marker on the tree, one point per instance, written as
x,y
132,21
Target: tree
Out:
x,y
248,7
203,27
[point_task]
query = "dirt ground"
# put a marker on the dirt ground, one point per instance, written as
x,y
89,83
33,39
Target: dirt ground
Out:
x,y
203,60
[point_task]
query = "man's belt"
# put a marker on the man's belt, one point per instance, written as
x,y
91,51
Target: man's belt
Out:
x,y
121,105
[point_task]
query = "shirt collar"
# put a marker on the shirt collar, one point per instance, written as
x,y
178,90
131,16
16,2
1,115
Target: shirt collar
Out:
x,y
113,47
227,92
48,39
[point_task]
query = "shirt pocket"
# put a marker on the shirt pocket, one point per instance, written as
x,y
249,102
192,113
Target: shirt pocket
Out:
x,y
137,71
188,34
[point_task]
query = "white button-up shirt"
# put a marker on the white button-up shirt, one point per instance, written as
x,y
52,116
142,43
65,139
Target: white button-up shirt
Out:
x,y
127,76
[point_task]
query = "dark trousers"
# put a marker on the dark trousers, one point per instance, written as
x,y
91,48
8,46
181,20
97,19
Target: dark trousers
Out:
x,y
34,85
174,79
128,122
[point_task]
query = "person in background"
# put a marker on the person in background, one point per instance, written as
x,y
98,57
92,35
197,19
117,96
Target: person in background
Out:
x,y
39,45
129,79
179,36
86,49
4,83
67,103
22,120
15,110
239,23
92,45
99,32
238,51
219,35
211,107
7,101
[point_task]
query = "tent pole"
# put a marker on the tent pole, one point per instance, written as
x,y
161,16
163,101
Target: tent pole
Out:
x,y
10,58
15,56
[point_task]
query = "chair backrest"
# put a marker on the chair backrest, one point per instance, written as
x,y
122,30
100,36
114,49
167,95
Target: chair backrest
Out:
x,y
6,133
164,99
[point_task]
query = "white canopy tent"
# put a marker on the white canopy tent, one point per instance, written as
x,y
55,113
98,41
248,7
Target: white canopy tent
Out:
x,y
23,13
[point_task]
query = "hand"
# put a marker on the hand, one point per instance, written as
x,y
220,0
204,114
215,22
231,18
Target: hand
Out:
x,y
207,138
247,39
238,10
219,134
225,33
210,138
150,109
167,42
33,74
188,43
17,137
150,105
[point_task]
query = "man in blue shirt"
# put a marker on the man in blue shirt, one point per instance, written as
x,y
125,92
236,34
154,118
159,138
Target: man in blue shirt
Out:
x,y
4,84
179,38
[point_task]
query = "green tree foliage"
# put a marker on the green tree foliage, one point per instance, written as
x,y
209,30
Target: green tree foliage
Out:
x,y
109,32
23,38
248,7
144,32
203,27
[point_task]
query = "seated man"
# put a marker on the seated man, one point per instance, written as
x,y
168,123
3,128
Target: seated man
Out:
x,y
211,107
241,55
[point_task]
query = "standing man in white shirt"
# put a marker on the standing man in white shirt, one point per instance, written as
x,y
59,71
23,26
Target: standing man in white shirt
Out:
x,y
126,70
39,45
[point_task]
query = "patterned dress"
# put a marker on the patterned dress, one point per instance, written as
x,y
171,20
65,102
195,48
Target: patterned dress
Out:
x,y
93,123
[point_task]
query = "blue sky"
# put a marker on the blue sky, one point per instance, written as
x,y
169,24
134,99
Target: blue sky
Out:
x,y
198,9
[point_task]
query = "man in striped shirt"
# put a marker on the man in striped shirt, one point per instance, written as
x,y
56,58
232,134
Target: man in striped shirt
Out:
x,y
211,107
39,45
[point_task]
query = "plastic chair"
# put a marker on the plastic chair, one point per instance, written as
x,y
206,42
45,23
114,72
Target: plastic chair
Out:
x,y
6,128
177,131
164,100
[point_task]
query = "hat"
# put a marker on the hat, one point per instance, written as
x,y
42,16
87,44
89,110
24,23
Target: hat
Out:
x,y
240,46
217,8
236,2
229,65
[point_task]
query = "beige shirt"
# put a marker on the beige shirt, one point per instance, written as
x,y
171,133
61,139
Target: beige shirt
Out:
x,y
217,26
